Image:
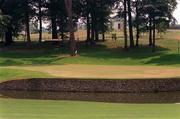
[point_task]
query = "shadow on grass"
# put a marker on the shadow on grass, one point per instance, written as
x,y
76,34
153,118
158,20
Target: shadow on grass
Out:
x,y
45,53
168,59
12,62
20,54
103,52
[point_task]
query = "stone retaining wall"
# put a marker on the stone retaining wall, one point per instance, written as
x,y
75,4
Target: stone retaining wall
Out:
x,y
75,85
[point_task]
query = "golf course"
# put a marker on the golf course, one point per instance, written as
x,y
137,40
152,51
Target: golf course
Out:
x,y
89,59
104,61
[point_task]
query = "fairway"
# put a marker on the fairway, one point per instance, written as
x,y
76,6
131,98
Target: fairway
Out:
x,y
38,109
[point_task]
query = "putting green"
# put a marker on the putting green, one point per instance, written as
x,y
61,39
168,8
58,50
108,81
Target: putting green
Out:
x,y
104,71
38,109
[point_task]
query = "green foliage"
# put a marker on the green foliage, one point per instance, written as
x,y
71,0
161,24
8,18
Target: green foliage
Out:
x,y
162,27
159,10
14,11
4,21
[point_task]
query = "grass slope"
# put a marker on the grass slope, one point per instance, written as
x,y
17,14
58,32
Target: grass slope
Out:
x,y
108,53
6,74
37,109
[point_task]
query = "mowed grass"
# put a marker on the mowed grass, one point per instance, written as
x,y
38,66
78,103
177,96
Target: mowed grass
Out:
x,y
85,72
6,74
38,109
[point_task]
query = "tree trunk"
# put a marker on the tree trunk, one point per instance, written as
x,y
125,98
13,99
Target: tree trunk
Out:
x,y
102,23
8,37
137,23
92,28
130,24
62,31
40,21
28,31
27,25
54,28
62,37
73,44
95,23
88,23
103,36
150,31
154,35
125,25
2,37
88,28
96,33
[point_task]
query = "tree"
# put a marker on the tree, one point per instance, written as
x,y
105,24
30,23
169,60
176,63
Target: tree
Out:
x,y
4,21
27,14
27,20
137,22
97,16
121,7
40,19
53,7
125,24
39,7
12,9
162,27
73,47
125,11
130,24
157,11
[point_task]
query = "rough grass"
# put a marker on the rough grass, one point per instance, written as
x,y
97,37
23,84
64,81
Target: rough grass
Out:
x,y
38,109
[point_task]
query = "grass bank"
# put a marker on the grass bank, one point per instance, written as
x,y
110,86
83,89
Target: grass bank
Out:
x,y
7,74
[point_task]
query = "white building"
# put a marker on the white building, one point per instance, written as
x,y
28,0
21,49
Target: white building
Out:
x,y
116,23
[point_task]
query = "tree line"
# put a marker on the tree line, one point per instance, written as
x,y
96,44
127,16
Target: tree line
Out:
x,y
137,15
